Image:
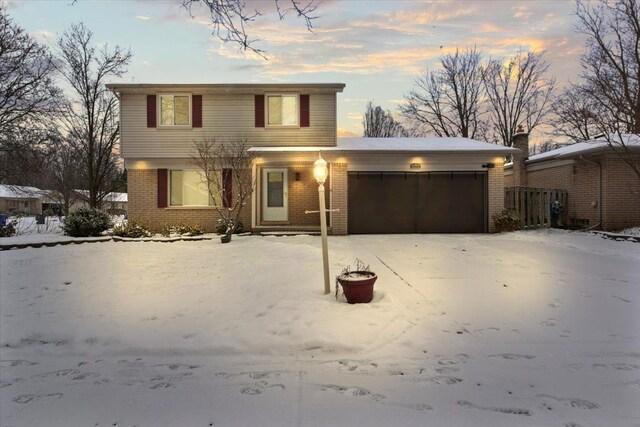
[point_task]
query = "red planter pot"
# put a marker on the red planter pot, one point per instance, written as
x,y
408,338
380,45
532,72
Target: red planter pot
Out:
x,y
358,289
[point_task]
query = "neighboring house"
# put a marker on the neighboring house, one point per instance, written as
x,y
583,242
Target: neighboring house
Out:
x,y
113,203
603,191
379,185
15,199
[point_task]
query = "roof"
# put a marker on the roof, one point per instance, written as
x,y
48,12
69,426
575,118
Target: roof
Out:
x,y
226,87
20,192
109,197
594,146
116,197
430,145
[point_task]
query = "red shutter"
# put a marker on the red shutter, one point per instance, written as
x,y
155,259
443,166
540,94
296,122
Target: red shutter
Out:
x,y
227,184
162,188
151,111
259,111
304,111
196,101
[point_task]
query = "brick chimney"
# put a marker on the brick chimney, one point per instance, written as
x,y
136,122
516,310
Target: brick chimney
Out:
x,y
521,142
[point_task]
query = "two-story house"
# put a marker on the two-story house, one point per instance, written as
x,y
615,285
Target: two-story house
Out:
x,y
375,185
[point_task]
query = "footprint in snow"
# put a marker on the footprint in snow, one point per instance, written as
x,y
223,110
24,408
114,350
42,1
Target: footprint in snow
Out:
x,y
27,398
453,360
442,380
512,356
16,362
56,374
549,322
513,411
571,402
351,391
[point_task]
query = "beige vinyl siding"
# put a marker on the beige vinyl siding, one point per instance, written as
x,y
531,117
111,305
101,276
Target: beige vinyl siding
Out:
x,y
223,116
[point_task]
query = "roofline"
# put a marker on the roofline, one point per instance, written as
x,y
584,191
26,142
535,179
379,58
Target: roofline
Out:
x,y
225,87
502,151
602,149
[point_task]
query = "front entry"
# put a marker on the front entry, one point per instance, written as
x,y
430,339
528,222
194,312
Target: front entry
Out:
x,y
274,194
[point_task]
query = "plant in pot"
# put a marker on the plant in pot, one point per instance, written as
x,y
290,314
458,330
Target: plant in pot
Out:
x,y
357,282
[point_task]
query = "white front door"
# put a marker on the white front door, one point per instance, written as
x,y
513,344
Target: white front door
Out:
x,y
274,194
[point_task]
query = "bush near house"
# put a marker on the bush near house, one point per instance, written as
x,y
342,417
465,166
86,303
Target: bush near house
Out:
x,y
132,229
86,222
7,230
181,230
222,226
507,220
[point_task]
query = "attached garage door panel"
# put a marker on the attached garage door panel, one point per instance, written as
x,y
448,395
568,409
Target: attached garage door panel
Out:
x,y
451,202
436,202
382,203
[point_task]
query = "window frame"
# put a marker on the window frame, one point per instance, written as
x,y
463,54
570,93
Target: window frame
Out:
x,y
281,94
159,110
183,206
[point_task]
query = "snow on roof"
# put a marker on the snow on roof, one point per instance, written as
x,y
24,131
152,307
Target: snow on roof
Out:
x,y
20,192
585,147
116,197
431,144
109,197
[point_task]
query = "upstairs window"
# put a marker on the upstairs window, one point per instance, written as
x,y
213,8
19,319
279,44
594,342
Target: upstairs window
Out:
x,y
175,110
282,110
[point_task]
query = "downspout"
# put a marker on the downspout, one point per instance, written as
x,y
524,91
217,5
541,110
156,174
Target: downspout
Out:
x,y
599,164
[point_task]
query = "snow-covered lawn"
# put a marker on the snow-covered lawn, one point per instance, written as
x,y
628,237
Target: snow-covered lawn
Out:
x,y
529,328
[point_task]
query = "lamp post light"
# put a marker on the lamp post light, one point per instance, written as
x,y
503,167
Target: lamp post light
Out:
x,y
320,173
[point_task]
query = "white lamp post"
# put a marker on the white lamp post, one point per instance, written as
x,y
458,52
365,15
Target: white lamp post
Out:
x,y
320,172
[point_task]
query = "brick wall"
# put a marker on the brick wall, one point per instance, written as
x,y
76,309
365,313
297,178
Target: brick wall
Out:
x,y
621,195
496,193
581,182
142,186
339,198
302,195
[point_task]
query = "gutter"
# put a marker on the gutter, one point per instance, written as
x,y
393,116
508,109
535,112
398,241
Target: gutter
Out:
x,y
599,164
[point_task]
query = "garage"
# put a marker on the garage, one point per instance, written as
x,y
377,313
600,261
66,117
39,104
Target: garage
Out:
x,y
409,202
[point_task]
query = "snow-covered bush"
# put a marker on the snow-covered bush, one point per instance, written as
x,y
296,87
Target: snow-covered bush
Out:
x,y
222,226
181,230
131,229
86,222
507,220
7,230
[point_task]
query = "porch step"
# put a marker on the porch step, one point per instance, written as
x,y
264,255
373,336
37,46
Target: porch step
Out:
x,y
289,233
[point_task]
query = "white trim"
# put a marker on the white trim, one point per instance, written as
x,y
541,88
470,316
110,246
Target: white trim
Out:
x,y
159,124
266,109
548,164
277,214
254,206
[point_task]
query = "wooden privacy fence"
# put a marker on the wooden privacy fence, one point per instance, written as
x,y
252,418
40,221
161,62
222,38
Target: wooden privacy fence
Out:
x,y
534,205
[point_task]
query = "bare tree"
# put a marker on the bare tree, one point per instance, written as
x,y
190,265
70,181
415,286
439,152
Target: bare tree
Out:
x,y
380,123
231,18
543,147
90,118
611,71
27,100
576,115
64,173
220,164
519,93
27,90
446,102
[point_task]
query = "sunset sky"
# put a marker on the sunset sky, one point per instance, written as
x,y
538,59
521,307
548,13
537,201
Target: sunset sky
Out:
x,y
376,48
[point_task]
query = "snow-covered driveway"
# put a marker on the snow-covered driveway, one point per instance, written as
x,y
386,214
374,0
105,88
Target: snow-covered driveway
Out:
x,y
528,328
